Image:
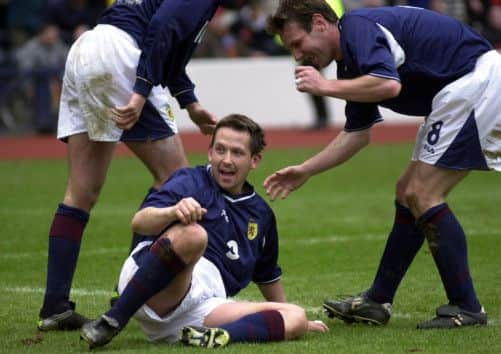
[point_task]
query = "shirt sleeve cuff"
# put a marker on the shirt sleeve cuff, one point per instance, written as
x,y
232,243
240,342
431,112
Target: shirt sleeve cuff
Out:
x,y
143,87
185,97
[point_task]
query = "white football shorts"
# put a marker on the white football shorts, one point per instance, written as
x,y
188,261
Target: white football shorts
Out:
x,y
463,131
206,293
100,74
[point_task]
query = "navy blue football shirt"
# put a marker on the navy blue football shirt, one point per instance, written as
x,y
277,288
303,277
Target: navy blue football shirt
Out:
x,y
243,239
167,32
422,49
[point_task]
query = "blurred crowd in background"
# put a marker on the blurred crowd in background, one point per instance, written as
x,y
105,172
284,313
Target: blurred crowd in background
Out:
x,y
35,36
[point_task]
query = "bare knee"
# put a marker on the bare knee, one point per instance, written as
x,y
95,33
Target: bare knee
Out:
x,y
188,241
82,198
400,190
418,199
295,321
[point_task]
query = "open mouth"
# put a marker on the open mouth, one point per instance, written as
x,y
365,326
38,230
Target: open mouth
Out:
x,y
226,173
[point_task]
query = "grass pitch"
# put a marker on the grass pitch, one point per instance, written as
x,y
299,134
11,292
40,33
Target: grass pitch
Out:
x,y
332,232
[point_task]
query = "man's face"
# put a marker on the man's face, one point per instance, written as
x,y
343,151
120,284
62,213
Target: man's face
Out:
x,y
311,48
231,159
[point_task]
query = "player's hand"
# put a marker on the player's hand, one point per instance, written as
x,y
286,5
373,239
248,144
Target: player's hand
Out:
x,y
284,181
308,79
188,211
317,326
125,117
205,120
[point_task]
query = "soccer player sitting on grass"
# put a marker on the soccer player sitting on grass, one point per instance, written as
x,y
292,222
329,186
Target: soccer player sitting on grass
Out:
x,y
215,235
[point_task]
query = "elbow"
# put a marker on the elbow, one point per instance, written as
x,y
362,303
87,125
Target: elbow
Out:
x,y
365,138
137,223
391,89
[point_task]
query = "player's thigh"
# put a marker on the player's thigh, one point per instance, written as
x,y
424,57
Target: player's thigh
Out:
x,y
162,157
88,164
462,131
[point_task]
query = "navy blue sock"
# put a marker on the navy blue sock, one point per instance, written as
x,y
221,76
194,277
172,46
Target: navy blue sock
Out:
x,y
64,247
265,326
137,238
159,266
402,245
447,243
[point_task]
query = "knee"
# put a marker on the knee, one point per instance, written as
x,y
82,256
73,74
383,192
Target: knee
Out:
x,y
295,321
417,199
189,241
83,200
400,191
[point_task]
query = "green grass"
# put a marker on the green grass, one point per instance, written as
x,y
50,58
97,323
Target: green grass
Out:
x,y
332,233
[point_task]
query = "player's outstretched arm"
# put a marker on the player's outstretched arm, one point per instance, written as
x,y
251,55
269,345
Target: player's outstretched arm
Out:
x,y
339,150
284,181
344,146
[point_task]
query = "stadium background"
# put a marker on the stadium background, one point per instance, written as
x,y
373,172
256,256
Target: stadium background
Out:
x,y
332,230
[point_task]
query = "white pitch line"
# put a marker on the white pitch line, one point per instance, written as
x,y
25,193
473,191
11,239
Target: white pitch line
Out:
x,y
94,252
284,240
74,291
332,239
80,292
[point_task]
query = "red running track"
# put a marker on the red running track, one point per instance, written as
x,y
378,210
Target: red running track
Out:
x,y
48,147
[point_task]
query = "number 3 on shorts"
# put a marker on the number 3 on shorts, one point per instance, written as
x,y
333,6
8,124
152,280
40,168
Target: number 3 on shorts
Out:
x,y
434,133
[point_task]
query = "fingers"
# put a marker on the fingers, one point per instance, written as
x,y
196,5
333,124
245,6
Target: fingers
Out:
x,y
205,120
188,211
300,69
124,117
300,81
125,124
305,78
275,186
317,326
207,129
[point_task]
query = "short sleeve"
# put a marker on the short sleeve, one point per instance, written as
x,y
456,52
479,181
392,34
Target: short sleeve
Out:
x,y
360,116
365,49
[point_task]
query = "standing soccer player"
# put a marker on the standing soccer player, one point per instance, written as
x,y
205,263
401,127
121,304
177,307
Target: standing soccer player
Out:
x,y
414,62
215,235
113,90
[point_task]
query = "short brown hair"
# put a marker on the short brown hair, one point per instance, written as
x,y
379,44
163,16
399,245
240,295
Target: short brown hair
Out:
x,y
242,123
300,11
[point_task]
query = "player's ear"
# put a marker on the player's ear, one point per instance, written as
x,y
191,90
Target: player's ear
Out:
x,y
256,159
318,21
209,153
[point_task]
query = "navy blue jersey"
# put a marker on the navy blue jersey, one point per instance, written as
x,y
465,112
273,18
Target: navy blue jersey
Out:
x,y
422,49
243,239
167,32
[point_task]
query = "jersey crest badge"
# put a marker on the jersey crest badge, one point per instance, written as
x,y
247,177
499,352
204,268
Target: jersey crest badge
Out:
x,y
252,230
170,114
